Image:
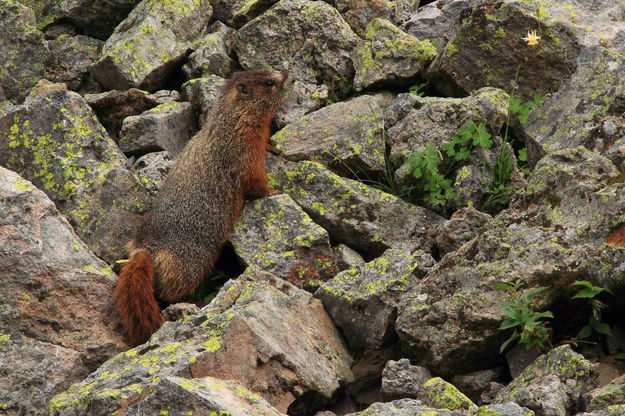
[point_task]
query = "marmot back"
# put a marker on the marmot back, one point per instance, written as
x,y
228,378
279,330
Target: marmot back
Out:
x,y
200,200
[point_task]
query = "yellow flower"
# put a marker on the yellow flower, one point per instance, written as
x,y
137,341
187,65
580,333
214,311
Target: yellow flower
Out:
x,y
532,38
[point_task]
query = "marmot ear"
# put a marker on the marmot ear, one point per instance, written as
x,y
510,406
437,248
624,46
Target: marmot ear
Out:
x,y
242,88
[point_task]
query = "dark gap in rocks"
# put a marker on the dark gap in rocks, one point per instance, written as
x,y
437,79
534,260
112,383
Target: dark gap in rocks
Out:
x,y
134,155
176,77
424,2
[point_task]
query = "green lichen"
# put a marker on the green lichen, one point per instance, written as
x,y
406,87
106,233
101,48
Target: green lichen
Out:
x,y
443,395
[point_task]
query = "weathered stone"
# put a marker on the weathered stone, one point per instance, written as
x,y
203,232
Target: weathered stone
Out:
x,y
212,56
347,137
311,37
400,379
389,56
464,225
476,383
348,256
609,395
56,142
151,43
246,335
56,313
179,311
152,169
359,13
616,410
168,126
202,93
69,61
563,225
22,51
440,394
362,300
356,214
519,357
275,235
304,98
403,407
504,409
554,385
236,13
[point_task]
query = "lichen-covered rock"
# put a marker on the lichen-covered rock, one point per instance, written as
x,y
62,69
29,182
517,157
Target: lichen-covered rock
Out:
x,y
212,56
311,37
56,316
347,137
400,379
168,126
69,61
475,384
587,111
362,300
151,43
616,410
389,56
301,100
554,385
356,214
504,409
236,13
440,394
22,51
404,407
152,169
202,94
56,142
463,226
489,50
275,235
609,395
359,13
564,224
260,331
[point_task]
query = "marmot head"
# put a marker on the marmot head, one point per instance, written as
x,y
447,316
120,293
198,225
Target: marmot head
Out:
x,y
258,92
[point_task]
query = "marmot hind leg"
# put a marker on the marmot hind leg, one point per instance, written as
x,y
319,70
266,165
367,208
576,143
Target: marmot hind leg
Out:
x,y
176,279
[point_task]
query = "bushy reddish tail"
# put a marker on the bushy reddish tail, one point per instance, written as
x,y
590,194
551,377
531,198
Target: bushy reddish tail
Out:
x,y
136,303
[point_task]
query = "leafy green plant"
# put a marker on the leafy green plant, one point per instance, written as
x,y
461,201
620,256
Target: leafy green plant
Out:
x,y
418,90
498,190
516,106
528,326
594,325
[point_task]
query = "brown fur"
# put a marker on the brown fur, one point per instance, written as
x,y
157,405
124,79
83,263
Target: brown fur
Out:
x,y
200,200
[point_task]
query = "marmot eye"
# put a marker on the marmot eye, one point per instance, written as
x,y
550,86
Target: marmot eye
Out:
x,y
269,83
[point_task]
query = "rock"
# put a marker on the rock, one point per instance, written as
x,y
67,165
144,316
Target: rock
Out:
x,y
402,380
149,45
554,385
505,409
56,142
440,394
212,57
69,61
358,14
475,384
275,235
202,94
403,407
555,230
617,410
168,126
56,313
179,310
483,54
112,107
346,137
611,394
519,357
303,99
311,37
22,51
362,301
236,13
348,256
244,335
152,169
577,114
389,56
355,214
464,225
489,394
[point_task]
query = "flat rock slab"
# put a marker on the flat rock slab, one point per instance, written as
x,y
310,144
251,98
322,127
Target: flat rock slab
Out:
x,y
56,142
246,334
57,316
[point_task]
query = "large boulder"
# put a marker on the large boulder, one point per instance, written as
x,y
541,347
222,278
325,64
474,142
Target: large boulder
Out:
x,y
359,13
57,316
69,61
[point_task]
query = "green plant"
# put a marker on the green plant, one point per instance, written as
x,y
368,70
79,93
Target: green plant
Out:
x,y
594,324
417,89
529,328
498,190
516,106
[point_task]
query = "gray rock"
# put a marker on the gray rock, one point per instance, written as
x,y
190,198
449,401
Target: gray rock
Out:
x,y
275,235
212,56
554,385
236,13
346,137
152,169
616,410
359,13
179,311
358,215
400,379
246,335
403,407
304,98
348,256
56,142
440,394
168,126
69,61
22,51
609,395
362,301
464,225
504,409
202,93
476,383
519,357
151,43
389,56
311,37
56,313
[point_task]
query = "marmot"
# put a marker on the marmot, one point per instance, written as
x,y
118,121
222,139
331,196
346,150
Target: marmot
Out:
x,y
182,236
